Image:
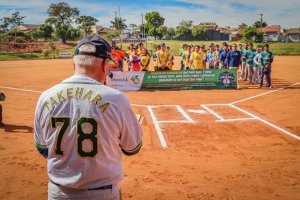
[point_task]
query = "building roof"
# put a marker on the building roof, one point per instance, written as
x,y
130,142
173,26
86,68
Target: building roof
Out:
x,y
26,27
271,29
240,31
102,29
226,30
293,31
209,26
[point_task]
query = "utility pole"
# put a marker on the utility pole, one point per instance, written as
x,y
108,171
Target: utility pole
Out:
x,y
261,21
143,33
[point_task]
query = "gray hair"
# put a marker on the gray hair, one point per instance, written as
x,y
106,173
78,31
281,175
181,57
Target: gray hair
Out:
x,y
86,60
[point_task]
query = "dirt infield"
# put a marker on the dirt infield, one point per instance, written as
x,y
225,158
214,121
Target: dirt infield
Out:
x,y
204,144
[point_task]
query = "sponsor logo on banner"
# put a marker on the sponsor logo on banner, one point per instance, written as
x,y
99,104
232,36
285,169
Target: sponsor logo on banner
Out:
x,y
226,79
119,80
126,81
135,79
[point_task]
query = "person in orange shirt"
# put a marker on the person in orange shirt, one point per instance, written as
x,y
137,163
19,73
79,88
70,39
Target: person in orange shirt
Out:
x,y
116,58
121,52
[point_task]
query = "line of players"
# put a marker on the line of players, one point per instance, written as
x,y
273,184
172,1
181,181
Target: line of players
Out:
x,y
254,63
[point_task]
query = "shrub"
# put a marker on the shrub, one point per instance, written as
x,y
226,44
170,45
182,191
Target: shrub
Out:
x,y
46,52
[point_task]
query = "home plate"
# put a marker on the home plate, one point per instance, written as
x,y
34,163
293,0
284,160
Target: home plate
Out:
x,y
198,111
140,118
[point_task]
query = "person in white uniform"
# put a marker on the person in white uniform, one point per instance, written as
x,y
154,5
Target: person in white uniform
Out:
x,y
82,127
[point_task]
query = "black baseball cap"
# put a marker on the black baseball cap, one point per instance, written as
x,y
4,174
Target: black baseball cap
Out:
x,y
102,48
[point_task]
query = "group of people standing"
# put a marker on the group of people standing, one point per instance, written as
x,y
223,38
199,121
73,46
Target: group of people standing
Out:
x,y
137,57
255,63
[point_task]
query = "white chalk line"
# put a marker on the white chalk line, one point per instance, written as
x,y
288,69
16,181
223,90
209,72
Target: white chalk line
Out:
x,y
184,114
237,119
157,127
198,111
263,94
221,119
266,122
20,89
212,112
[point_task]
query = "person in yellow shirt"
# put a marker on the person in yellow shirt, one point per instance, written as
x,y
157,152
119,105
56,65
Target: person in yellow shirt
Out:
x,y
170,60
141,47
162,58
145,60
128,54
197,59
186,57
154,57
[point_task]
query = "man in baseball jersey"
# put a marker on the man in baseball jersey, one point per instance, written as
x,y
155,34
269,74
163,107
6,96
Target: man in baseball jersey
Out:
x,y
82,127
250,54
265,60
233,58
223,57
244,66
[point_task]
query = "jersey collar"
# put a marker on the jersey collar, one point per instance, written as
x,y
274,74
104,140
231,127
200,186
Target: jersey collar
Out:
x,y
81,79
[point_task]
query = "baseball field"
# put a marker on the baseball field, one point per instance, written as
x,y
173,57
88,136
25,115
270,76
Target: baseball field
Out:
x,y
201,144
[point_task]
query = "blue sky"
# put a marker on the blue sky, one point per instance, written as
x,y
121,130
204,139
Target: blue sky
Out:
x,y
223,12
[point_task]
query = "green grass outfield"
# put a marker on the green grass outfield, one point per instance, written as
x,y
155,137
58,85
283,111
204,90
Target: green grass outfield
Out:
x,y
35,55
278,48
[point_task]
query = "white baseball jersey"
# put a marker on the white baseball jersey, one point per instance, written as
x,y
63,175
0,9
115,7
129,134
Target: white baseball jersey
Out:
x,y
85,126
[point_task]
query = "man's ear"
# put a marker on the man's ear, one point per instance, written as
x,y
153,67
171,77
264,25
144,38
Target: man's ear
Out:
x,y
105,66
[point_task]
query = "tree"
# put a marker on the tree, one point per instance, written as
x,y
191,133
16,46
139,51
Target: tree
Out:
x,y
46,31
133,26
118,24
10,23
73,33
153,21
161,31
36,34
184,30
258,24
85,23
170,33
15,20
252,34
199,32
61,16
243,25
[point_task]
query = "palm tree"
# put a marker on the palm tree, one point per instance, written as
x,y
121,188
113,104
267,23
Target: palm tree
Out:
x,y
118,24
243,25
133,26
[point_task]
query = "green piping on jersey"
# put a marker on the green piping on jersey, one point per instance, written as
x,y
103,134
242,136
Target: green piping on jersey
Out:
x,y
133,151
40,146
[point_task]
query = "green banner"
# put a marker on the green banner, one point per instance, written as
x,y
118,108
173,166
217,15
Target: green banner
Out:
x,y
190,79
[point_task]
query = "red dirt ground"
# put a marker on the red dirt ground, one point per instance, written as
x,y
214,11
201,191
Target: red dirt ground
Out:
x,y
204,160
